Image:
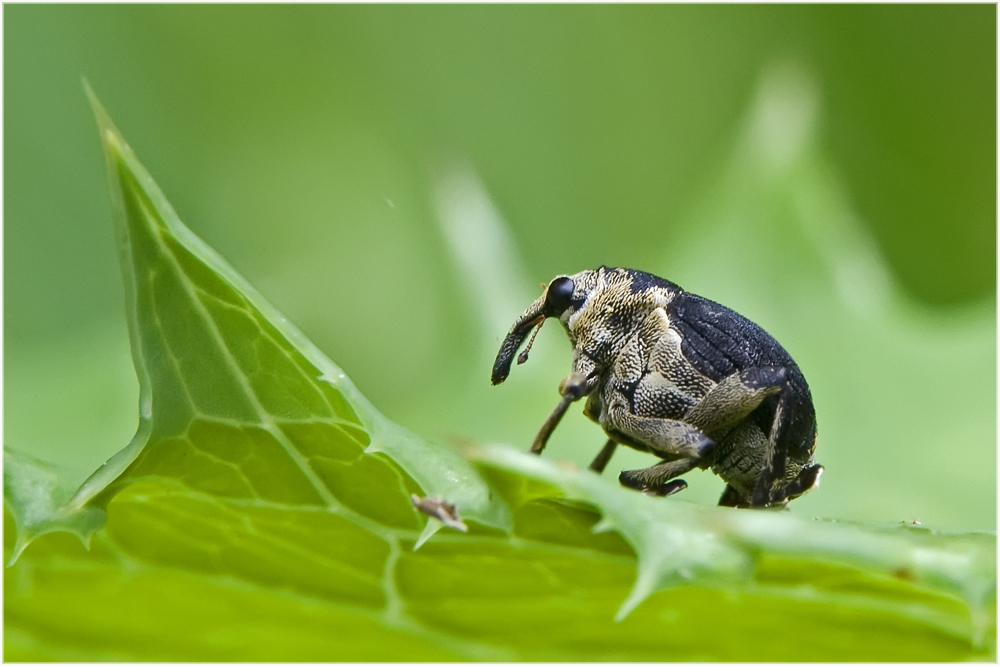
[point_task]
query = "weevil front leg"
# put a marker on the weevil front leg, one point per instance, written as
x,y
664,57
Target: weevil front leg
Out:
x,y
542,438
576,385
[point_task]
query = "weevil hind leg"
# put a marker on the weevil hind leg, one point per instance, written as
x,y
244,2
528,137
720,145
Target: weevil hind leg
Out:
x,y
732,399
807,479
771,487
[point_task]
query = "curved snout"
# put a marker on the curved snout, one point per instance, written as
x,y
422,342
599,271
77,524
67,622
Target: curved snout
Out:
x,y
531,318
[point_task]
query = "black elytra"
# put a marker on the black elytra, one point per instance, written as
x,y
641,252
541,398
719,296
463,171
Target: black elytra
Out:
x,y
677,375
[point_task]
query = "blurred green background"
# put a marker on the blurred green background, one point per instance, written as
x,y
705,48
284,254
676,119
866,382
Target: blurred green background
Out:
x,y
398,179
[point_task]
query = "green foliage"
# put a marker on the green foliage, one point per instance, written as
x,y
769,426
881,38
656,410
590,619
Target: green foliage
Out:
x,y
309,144
262,512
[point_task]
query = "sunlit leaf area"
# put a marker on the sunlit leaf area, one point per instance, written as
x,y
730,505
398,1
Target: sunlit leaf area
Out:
x,y
249,326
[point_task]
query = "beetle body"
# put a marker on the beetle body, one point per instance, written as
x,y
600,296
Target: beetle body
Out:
x,y
682,377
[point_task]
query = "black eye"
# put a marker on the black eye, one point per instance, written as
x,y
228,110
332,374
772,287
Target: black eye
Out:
x,y
558,297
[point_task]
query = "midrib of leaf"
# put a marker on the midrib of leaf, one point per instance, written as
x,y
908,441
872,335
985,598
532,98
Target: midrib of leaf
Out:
x,y
392,614
135,210
236,371
131,568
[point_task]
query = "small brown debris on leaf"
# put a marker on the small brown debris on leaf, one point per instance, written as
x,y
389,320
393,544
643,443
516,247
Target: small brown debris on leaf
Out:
x,y
441,509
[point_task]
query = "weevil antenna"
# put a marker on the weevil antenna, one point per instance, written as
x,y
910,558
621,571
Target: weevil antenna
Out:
x,y
523,356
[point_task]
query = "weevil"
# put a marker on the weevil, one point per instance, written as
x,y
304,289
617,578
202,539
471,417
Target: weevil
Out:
x,y
671,373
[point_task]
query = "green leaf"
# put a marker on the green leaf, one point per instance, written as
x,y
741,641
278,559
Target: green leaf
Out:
x,y
262,512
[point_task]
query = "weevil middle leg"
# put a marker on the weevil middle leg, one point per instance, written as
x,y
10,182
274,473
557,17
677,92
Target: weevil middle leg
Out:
x,y
601,461
659,479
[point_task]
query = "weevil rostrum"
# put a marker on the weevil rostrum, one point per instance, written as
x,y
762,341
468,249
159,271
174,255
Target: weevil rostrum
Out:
x,y
679,376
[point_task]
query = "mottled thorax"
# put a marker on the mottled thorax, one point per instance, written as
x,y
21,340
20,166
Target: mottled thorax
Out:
x,y
616,305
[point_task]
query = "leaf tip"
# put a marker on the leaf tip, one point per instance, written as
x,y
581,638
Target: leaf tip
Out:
x,y
605,524
103,119
430,529
111,138
20,543
645,581
89,91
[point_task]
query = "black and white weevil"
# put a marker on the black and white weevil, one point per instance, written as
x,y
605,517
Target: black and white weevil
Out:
x,y
679,376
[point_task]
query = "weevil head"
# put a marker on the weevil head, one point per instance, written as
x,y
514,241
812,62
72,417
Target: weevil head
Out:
x,y
564,296
600,310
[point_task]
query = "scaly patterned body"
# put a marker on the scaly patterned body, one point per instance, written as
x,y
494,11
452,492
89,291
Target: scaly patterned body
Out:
x,y
682,377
